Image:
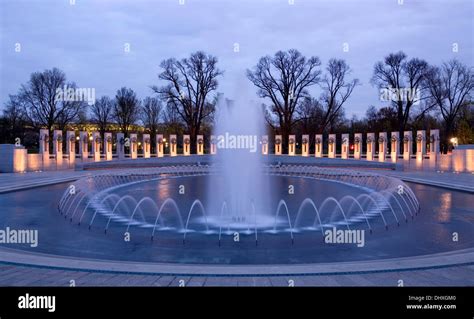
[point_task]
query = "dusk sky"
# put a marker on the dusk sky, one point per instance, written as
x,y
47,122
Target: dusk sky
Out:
x,y
87,40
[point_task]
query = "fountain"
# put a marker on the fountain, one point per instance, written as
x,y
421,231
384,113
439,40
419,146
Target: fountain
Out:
x,y
371,202
237,196
241,184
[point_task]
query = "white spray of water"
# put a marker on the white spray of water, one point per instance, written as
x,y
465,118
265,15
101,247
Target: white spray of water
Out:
x,y
241,184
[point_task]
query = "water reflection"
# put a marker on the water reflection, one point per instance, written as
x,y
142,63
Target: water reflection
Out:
x,y
163,190
444,210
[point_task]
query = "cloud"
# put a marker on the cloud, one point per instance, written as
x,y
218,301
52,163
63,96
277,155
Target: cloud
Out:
x,y
87,39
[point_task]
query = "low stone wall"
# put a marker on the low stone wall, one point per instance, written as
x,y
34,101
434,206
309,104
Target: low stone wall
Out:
x,y
35,162
13,159
207,159
463,158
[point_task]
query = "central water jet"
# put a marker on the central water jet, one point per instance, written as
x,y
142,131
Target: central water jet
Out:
x,y
241,184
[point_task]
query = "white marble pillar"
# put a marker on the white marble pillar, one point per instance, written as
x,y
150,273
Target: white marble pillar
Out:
x,y
370,146
318,145
305,145
265,145
133,146
173,145
213,145
200,145
345,146
121,145
96,143
186,145
357,145
434,144
146,146
395,146
108,144
332,146
44,146
382,146
159,145
291,145
420,145
278,144
58,146
71,146
407,145
84,145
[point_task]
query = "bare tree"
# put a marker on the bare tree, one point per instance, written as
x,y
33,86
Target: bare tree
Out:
x,y
382,119
126,109
189,84
284,79
310,113
404,80
42,105
336,90
450,87
151,114
14,120
102,113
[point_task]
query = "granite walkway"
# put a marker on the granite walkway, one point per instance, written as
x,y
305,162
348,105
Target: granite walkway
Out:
x,y
28,276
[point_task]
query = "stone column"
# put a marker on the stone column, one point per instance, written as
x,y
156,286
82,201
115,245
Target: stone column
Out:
x,y
58,147
407,145
96,142
278,144
305,145
186,145
84,145
44,146
420,145
265,145
291,145
434,144
108,143
71,146
370,146
146,146
382,146
173,145
121,145
200,145
133,146
395,146
318,145
357,145
213,145
159,145
332,146
345,146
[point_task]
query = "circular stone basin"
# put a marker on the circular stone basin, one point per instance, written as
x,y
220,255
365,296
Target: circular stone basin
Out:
x,y
291,236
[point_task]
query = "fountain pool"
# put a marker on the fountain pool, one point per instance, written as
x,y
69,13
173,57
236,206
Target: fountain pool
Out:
x,y
166,226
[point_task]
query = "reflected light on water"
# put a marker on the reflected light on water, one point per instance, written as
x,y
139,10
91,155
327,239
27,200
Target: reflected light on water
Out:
x,y
163,190
444,210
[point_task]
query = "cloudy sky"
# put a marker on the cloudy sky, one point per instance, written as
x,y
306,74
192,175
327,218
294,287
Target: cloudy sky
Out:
x,y
87,40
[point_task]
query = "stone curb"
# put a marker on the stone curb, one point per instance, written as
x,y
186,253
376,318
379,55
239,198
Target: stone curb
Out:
x,y
440,260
